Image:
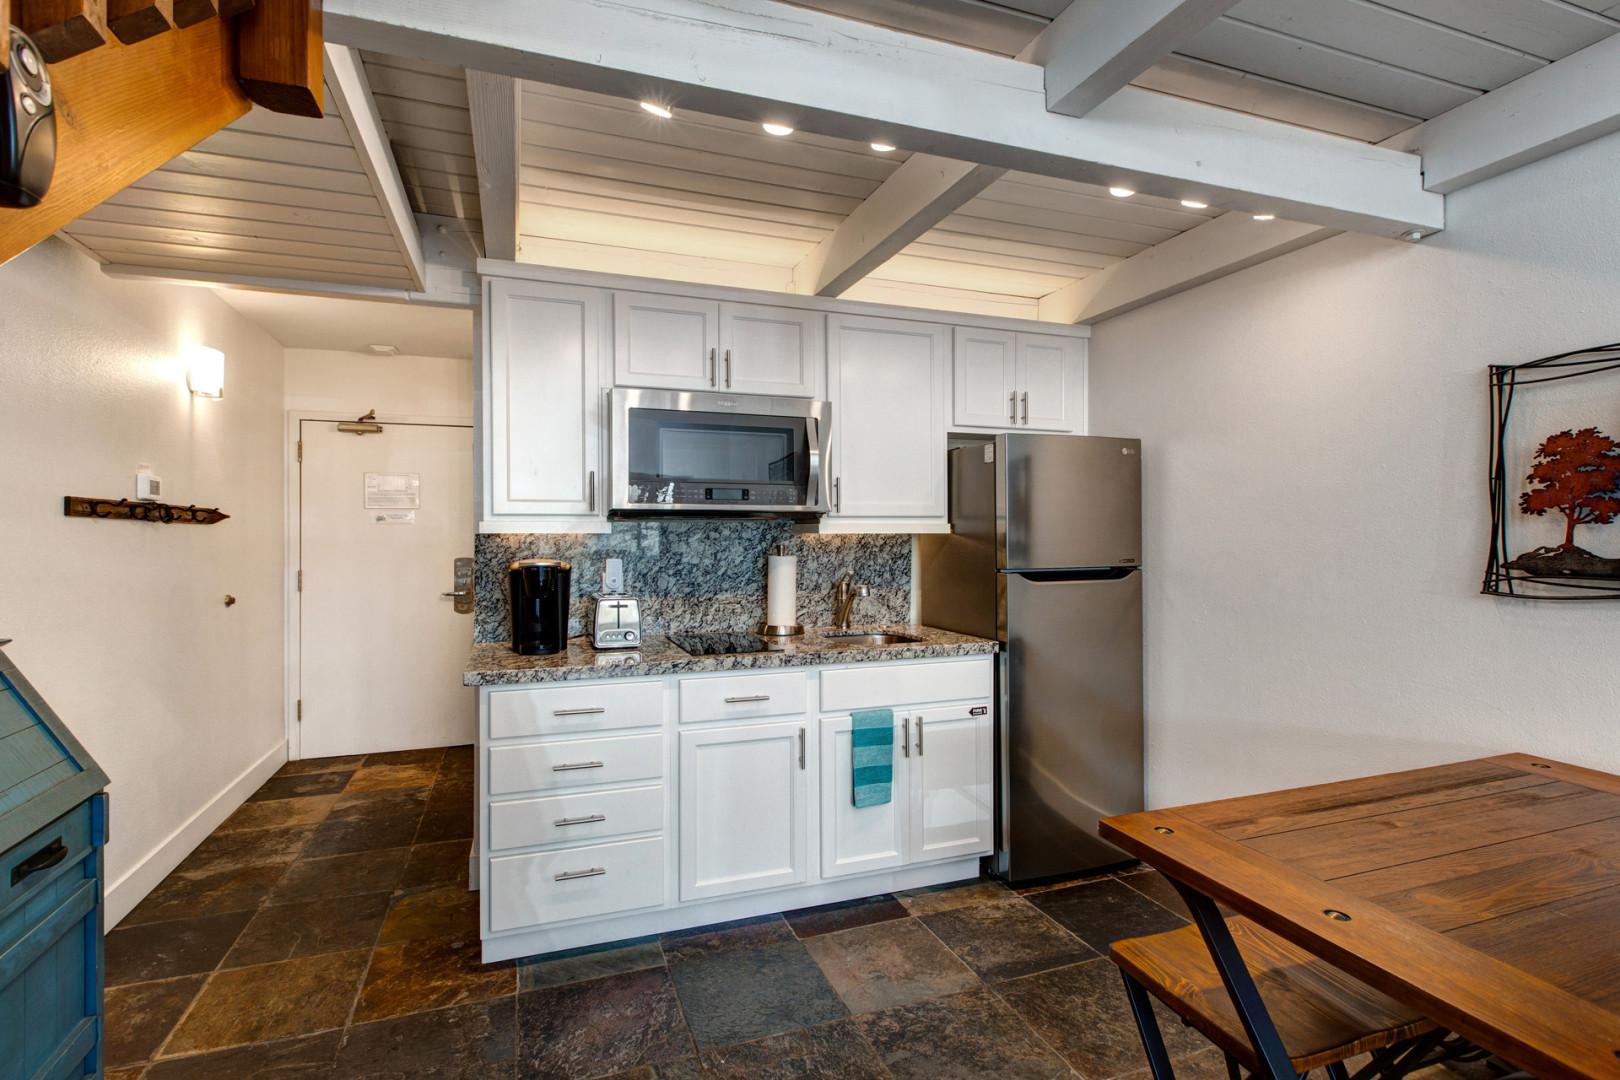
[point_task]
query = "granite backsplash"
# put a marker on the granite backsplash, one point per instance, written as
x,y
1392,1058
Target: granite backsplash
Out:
x,y
700,574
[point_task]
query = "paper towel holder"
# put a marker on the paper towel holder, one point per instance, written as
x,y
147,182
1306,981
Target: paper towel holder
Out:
x,y
771,630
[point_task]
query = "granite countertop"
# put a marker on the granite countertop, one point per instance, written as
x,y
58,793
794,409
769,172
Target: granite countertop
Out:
x,y
494,663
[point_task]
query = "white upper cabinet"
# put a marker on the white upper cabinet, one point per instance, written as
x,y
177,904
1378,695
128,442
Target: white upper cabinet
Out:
x,y
543,422
1018,381
680,343
770,350
666,341
888,380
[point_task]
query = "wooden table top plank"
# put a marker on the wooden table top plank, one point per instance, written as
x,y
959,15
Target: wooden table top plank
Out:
x,y
1502,1007
1249,816
1559,770
1380,840
1573,943
1488,882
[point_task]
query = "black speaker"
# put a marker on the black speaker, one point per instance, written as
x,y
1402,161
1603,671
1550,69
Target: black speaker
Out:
x,y
540,590
28,117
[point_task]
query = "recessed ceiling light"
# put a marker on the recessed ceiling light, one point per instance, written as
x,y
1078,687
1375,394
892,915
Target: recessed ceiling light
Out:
x,y
663,112
1265,217
777,129
1194,204
1121,192
883,147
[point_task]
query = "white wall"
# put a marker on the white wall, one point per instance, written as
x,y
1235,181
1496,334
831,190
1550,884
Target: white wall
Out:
x,y
122,625
323,380
1315,439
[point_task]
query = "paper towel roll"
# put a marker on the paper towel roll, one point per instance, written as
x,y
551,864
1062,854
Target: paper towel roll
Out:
x,y
782,590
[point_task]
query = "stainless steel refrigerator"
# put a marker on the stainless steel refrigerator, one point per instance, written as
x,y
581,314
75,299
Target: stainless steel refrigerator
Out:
x,y
1045,555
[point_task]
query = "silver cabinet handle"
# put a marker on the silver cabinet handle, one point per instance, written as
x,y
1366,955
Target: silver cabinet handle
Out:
x,y
838,495
905,735
1012,406
589,819
1026,406
748,697
570,875
571,766
728,369
919,736
801,748
591,495
592,711
714,368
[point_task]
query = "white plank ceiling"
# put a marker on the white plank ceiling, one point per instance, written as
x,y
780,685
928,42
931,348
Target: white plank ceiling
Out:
x,y
269,196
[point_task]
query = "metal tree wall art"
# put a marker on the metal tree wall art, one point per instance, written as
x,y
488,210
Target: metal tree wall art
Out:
x,y
1573,478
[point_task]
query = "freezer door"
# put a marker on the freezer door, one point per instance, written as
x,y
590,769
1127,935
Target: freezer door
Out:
x,y
1071,739
1068,501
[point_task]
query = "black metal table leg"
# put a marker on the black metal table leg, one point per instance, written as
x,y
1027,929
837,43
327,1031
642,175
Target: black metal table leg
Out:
x,y
1257,1023
1147,1026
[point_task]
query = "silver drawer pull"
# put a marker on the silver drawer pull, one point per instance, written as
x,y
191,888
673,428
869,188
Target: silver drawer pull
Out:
x,y
578,712
589,819
571,766
748,697
570,875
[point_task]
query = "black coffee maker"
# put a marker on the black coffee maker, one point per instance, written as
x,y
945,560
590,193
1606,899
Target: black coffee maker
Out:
x,y
540,591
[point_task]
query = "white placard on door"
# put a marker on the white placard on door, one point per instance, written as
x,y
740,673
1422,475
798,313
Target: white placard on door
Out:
x,y
394,517
393,491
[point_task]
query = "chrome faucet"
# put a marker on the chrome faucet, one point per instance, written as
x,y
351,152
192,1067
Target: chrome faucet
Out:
x,y
844,595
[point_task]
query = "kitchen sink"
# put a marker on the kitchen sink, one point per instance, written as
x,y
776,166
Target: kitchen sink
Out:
x,y
843,638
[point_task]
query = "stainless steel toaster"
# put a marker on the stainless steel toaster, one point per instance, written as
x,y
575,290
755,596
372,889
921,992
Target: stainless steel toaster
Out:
x,y
616,622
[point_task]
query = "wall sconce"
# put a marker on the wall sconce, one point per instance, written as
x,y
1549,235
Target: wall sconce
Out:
x,y
205,371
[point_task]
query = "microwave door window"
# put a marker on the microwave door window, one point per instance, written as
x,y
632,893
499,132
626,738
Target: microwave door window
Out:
x,y
695,458
694,452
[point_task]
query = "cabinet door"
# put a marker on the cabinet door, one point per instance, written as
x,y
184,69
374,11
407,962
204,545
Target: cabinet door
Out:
x,y
985,378
854,839
743,810
1047,368
952,799
665,341
888,380
769,350
544,406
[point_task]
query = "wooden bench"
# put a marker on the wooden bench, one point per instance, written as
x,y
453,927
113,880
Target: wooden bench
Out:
x,y
1323,1015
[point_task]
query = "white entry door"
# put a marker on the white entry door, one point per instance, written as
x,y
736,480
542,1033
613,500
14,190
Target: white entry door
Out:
x,y
382,519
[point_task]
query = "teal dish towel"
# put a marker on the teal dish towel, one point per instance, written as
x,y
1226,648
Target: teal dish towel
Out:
x,y
872,756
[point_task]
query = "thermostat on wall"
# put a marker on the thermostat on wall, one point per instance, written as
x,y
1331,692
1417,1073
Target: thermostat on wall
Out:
x,y
148,488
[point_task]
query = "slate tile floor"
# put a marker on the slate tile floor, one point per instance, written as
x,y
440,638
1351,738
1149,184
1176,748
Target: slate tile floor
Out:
x,y
325,930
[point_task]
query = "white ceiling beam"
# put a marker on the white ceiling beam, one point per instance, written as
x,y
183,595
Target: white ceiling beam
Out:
x,y
1220,246
495,102
351,93
921,193
1564,104
761,59
1094,48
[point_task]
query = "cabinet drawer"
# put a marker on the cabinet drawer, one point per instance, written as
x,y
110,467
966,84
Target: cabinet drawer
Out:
x,y
559,710
553,886
574,763
61,844
589,815
780,693
870,686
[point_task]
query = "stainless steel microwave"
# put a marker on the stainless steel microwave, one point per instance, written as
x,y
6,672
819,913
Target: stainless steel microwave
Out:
x,y
677,453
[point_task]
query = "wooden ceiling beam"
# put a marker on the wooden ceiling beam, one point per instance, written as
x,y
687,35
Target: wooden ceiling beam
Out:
x,y
121,114
921,193
351,94
278,55
62,28
136,20
1094,48
846,79
496,105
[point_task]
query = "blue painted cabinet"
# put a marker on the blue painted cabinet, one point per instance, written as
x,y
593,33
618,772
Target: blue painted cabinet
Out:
x,y
53,825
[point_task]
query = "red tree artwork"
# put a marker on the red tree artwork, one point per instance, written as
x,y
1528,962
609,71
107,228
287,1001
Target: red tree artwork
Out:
x,y
1576,473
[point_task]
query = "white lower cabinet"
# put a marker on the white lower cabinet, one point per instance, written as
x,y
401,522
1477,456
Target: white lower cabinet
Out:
x,y
743,811
554,886
942,805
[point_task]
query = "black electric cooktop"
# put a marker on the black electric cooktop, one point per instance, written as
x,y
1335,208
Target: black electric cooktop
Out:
x,y
708,643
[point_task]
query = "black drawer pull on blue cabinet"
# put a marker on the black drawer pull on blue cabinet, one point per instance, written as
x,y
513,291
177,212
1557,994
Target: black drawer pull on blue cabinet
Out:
x,y
43,859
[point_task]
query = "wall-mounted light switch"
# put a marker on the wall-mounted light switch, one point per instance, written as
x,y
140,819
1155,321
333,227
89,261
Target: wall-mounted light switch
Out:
x,y
148,488
613,577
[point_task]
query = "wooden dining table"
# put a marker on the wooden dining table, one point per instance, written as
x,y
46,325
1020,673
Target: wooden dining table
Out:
x,y
1484,894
